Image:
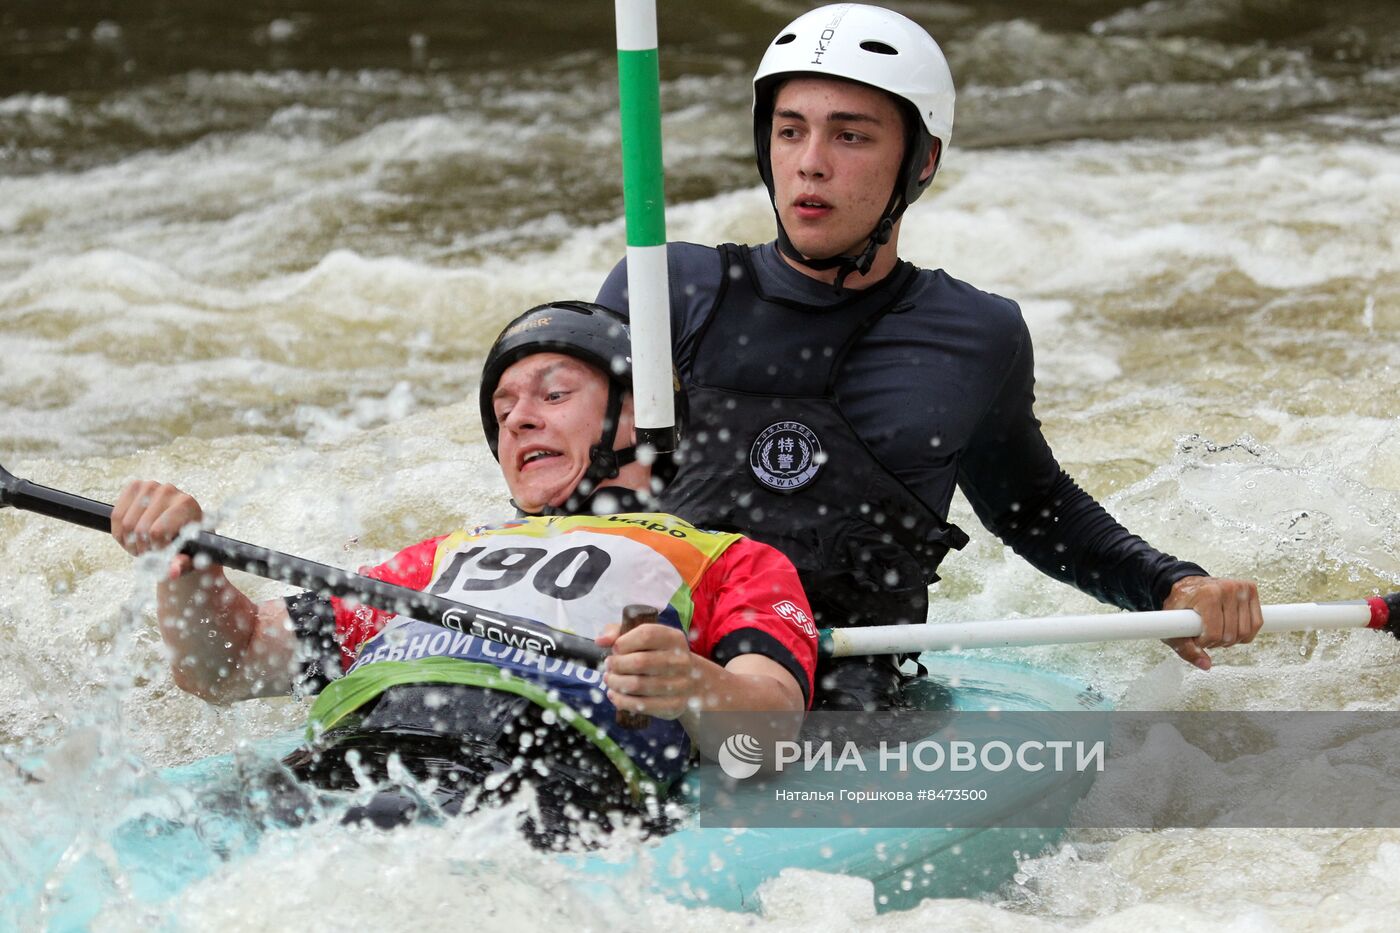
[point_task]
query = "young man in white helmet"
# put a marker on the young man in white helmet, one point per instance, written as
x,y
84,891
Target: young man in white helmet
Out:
x,y
839,394
478,718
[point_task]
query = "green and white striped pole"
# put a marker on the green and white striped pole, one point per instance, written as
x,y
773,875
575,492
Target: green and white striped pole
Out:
x,y
644,197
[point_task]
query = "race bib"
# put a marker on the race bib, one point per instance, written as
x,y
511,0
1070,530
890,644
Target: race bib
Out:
x,y
576,582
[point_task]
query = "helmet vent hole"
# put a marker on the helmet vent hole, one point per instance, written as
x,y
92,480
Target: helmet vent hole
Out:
x,y
879,48
785,38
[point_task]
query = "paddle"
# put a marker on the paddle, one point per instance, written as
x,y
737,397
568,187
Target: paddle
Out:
x,y
644,200
1379,612
495,626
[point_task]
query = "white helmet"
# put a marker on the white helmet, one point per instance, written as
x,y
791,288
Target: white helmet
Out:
x,y
873,46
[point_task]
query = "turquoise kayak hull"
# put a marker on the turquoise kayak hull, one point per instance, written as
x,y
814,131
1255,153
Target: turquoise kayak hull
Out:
x,y
726,868
167,831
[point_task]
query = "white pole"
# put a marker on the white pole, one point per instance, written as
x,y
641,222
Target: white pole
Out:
x,y
1069,630
644,199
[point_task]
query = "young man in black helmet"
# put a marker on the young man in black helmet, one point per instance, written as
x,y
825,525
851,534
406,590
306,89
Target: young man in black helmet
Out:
x,y
838,394
477,718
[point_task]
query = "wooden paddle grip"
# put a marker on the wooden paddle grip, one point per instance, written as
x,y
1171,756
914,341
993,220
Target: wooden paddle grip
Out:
x,y
633,616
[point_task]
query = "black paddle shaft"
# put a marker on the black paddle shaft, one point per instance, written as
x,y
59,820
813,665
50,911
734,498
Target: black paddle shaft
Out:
x,y
495,626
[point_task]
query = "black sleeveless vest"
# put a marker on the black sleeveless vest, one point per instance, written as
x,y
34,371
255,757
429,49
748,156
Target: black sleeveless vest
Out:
x,y
768,452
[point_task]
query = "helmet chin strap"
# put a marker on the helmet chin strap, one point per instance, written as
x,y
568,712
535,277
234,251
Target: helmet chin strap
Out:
x,y
846,264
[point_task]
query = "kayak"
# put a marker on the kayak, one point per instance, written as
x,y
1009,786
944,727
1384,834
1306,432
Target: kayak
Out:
x,y
727,868
167,829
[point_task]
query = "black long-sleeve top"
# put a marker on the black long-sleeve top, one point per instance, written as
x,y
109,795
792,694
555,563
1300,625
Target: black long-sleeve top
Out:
x,y
942,390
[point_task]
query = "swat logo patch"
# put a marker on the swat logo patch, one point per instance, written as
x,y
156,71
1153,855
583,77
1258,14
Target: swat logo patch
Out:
x,y
786,456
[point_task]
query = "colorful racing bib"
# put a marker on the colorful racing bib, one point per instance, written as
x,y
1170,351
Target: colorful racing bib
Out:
x,y
572,573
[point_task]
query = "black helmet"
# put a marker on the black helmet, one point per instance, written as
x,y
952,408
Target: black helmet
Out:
x,y
590,332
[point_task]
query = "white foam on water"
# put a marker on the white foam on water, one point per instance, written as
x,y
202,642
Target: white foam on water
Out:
x,y
116,348
76,603
1098,217
1214,324
40,105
